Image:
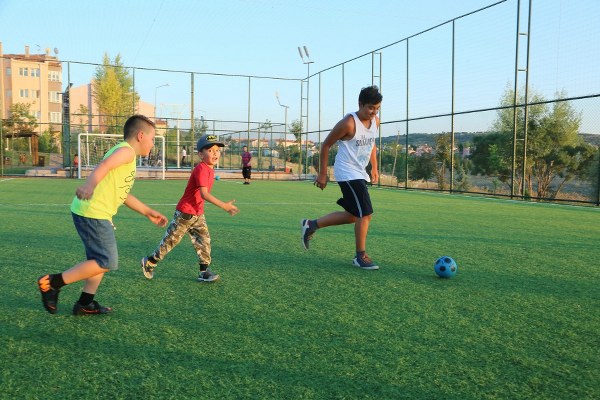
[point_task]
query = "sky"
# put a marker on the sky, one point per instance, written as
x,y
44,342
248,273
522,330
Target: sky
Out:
x,y
260,38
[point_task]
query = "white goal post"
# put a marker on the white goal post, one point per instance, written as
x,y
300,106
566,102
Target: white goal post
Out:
x,y
91,148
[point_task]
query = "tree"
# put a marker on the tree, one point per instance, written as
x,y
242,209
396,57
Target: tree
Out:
x,y
296,129
200,126
21,121
113,93
82,118
555,152
423,167
443,152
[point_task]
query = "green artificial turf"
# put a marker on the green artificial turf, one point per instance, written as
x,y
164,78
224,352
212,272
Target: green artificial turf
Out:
x,y
520,320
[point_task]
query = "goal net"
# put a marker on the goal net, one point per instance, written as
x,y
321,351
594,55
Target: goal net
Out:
x,y
91,148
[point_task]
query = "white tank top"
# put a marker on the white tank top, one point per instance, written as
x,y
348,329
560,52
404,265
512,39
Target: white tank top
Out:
x,y
354,155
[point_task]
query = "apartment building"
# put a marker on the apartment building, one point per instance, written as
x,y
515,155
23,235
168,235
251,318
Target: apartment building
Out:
x,y
34,79
85,116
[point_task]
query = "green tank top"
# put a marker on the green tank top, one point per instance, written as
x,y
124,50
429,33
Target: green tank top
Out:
x,y
110,193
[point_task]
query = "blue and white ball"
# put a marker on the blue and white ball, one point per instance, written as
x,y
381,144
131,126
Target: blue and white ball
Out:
x,y
445,267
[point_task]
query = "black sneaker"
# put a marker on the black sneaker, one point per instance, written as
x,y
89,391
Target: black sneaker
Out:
x,y
364,262
306,233
49,295
91,309
147,268
208,276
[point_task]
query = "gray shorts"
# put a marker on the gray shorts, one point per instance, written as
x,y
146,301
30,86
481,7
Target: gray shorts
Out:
x,y
98,237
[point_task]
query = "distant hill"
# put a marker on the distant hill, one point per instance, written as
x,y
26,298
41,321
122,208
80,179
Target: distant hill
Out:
x,y
416,139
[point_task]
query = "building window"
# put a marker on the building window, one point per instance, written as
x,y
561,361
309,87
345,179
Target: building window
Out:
x,y
56,117
35,72
24,92
54,97
38,115
9,93
8,71
35,94
23,71
54,76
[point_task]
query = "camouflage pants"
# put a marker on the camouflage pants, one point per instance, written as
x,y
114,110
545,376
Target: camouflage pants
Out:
x,y
193,225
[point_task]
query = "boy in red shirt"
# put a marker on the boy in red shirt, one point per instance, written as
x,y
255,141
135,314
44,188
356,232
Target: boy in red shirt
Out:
x,y
189,213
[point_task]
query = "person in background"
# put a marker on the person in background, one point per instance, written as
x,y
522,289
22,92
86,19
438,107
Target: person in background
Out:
x,y
75,166
183,156
246,167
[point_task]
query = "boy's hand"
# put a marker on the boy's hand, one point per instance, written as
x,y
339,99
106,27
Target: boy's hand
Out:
x,y
230,208
157,218
84,192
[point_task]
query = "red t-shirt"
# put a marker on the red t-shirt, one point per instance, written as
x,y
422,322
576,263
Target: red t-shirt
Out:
x,y
192,202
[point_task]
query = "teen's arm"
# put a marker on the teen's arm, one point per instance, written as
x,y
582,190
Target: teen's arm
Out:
x,y
374,165
341,130
374,169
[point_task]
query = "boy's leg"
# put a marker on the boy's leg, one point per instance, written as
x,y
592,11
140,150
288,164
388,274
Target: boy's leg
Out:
x,y
86,305
200,237
177,228
84,270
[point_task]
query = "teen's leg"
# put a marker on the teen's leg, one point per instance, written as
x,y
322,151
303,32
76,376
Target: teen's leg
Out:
x,y
336,218
361,228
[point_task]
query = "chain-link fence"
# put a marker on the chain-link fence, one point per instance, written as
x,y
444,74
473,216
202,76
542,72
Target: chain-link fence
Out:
x,y
502,101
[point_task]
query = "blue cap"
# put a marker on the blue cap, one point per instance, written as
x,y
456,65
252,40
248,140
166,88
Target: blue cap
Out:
x,y
208,140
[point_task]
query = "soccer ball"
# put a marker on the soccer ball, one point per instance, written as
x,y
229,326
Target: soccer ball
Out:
x,y
445,267
217,177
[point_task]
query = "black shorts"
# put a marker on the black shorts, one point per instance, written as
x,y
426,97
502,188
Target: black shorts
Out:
x,y
356,198
246,172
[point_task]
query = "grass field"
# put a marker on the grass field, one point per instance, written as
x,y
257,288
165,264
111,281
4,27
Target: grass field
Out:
x,y
519,321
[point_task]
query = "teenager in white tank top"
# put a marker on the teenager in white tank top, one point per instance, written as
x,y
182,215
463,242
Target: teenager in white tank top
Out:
x,y
356,148
353,155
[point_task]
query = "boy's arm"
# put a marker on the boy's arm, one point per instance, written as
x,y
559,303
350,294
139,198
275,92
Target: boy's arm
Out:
x,y
136,205
342,129
227,206
119,157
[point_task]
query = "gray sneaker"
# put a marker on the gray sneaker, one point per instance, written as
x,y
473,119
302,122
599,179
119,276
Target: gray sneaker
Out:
x,y
364,262
306,233
208,276
147,268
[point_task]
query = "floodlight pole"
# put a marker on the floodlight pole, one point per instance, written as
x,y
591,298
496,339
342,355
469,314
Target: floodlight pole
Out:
x,y
284,131
155,90
303,51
